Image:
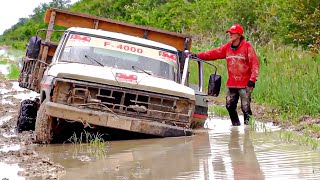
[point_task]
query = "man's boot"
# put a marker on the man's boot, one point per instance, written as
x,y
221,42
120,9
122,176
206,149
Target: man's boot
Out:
x,y
247,116
234,118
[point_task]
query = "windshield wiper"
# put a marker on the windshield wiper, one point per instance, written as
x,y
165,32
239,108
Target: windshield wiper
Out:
x,y
91,58
137,68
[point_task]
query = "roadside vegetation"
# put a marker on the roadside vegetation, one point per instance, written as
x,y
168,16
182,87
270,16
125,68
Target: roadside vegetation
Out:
x,y
14,72
12,67
285,34
218,110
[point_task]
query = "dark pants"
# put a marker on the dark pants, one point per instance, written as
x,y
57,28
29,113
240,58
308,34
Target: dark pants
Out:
x,y
232,98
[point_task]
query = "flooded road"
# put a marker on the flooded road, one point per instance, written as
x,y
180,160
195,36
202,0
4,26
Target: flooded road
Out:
x,y
221,152
218,152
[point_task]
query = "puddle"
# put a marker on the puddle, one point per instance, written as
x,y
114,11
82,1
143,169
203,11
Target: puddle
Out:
x,y
16,87
4,101
23,95
2,52
10,134
223,125
4,69
4,119
28,95
223,152
3,91
10,171
7,148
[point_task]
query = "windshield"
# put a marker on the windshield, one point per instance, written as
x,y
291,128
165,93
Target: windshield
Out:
x,y
121,55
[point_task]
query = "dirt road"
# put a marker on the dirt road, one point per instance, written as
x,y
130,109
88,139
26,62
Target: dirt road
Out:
x,y
17,153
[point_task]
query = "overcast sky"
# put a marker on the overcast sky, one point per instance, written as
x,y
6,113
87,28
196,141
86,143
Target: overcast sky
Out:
x,y
12,10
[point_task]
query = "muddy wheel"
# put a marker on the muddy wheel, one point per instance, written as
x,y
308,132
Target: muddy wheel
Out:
x,y
27,115
43,129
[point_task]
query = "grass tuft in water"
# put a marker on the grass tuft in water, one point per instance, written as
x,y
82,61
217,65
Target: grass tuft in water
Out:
x,y
261,126
301,139
91,143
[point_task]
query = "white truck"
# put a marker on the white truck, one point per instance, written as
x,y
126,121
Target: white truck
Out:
x,y
105,73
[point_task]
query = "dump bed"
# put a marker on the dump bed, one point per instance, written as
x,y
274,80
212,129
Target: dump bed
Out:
x,y
71,19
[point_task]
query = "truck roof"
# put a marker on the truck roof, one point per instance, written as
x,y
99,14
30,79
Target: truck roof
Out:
x,y
121,36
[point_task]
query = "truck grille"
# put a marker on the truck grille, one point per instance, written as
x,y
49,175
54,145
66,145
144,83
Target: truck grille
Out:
x,y
128,102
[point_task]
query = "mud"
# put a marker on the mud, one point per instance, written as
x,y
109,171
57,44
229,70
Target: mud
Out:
x,y
17,149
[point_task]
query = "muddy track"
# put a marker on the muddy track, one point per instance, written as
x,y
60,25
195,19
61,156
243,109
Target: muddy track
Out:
x,y
17,148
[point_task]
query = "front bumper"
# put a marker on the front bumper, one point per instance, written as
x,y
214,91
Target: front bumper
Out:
x,y
111,120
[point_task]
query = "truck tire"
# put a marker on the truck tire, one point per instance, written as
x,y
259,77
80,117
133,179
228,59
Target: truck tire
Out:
x,y
43,129
27,115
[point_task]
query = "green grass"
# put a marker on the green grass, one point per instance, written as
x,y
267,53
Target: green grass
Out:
x,y
14,72
218,110
289,80
301,139
315,128
3,61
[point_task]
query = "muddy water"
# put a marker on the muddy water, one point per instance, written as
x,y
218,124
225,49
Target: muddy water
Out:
x,y
222,152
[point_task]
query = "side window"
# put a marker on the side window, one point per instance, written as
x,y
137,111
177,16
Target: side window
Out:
x,y
61,43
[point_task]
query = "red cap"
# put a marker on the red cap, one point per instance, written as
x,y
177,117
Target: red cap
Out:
x,y
236,28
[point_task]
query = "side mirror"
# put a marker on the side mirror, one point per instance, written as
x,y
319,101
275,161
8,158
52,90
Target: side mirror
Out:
x,y
214,85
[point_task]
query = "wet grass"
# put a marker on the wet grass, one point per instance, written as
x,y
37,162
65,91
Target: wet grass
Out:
x,y
290,82
313,127
258,126
14,72
219,110
90,143
301,139
3,61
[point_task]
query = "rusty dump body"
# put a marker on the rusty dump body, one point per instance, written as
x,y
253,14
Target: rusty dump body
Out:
x,y
98,104
71,19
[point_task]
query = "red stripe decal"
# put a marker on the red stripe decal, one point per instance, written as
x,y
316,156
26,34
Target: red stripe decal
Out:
x,y
200,116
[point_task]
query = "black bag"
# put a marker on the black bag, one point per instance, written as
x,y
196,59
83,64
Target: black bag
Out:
x,y
33,47
214,85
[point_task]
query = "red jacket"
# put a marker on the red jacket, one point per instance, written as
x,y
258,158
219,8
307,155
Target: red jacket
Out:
x,y
242,63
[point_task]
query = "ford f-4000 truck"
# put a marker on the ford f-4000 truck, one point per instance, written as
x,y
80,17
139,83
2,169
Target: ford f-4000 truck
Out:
x,y
111,74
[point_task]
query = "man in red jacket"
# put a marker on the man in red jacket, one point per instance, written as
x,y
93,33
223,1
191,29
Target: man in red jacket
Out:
x,y
243,70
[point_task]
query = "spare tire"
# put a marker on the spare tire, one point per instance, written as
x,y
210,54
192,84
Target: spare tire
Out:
x,y
33,48
27,115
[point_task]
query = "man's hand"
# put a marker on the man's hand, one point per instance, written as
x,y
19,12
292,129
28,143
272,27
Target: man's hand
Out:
x,y
190,55
193,56
250,86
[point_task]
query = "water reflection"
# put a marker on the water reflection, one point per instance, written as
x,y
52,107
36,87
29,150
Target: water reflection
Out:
x,y
235,153
244,160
